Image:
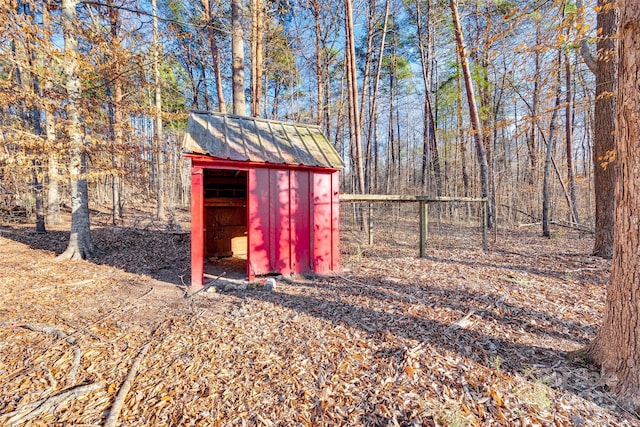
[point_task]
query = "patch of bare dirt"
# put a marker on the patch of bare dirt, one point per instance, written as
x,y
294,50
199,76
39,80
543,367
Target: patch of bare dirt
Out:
x,y
462,337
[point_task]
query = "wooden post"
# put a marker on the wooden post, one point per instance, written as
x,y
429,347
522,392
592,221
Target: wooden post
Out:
x,y
370,224
424,213
484,224
424,227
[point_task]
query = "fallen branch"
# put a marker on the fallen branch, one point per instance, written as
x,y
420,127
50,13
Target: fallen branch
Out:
x,y
207,287
577,227
464,322
583,269
77,353
355,282
572,226
520,211
46,404
114,413
531,224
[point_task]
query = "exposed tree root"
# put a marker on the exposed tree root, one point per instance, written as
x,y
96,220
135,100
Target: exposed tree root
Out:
x,y
114,413
603,252
627,399
77,353
41,406
80,247
74,253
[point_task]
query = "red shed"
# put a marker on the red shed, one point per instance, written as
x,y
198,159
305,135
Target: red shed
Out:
x,y
262,189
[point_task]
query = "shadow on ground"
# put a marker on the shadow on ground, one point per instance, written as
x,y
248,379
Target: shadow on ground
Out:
x,y
162,256
523,341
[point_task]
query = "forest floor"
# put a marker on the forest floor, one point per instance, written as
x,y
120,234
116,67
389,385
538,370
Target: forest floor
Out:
x,y
461,337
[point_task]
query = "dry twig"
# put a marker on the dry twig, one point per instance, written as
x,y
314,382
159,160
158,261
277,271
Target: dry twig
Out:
x,y
114,413
80,328
121,309
59,285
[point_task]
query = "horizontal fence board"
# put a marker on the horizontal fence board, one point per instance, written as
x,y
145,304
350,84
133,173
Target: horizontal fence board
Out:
x,y
403,198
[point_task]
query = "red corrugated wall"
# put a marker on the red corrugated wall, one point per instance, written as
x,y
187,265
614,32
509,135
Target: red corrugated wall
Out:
x,y
197,227
293,221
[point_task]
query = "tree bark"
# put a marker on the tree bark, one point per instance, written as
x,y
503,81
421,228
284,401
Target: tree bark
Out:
x,y
461,138
257,52
531,137
157,136
53,194
35,117
352,85
365,92
373,109
215,55
429,142
320,62
604,137
237,54
473,111
80,242
116,118
546,202
569,140
616,348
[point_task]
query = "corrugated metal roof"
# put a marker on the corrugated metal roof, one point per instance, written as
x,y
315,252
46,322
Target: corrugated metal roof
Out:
x,y
257,140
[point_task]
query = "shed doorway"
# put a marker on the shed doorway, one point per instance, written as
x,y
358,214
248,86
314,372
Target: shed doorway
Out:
x,y
225,216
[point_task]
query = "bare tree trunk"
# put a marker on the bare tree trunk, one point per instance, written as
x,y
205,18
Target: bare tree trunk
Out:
x,y
391,139
116,119
604,67
157,136
546,207
352,84
257,49
371,32
80,242
429,142
320,54
215,56
569,139
35,119
616,348
37,164
53,195
373,109
205,87
604,136
473,112
237,53
531,138
463,143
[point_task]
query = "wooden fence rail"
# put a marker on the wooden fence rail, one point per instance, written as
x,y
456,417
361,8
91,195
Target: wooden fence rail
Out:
x,y
424,211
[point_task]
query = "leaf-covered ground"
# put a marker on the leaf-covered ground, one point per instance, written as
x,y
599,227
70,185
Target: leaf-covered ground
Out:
x,y
462,337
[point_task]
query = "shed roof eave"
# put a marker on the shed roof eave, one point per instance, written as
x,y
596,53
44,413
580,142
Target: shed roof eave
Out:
x,y
218,162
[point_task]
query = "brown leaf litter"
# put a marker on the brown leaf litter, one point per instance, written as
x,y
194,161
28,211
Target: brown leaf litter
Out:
x,y
459,338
